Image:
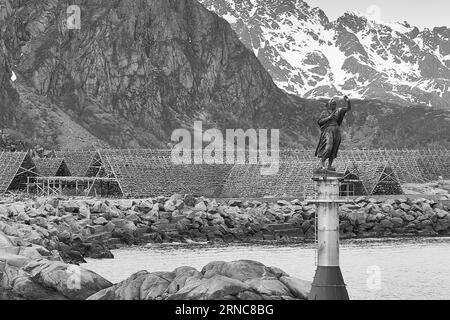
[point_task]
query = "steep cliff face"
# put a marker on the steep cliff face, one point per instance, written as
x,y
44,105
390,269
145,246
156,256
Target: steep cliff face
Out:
x,y
136,70
8,95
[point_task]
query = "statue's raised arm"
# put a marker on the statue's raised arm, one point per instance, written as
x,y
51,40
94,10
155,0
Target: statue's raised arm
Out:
x,y
349,103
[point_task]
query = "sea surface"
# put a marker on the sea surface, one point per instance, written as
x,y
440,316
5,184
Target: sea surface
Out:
x,y
400,268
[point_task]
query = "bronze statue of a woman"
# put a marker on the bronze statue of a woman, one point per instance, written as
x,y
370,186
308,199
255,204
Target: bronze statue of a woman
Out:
x,y
329,122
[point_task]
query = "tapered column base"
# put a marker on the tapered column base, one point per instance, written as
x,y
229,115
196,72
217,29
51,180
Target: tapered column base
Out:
x,y
328,284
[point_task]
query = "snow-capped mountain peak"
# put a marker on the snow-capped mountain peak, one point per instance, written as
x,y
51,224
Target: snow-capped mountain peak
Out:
x,y
356,54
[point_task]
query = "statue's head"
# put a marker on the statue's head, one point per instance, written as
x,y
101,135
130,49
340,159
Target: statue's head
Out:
x,y
332,104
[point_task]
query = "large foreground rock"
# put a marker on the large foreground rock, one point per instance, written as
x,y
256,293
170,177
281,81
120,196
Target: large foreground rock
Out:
x,y
4,240
237,280
22,278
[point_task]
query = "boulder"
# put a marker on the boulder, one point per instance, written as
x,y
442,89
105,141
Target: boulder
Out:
x,y
70,206
371,218
214,288
385,223
235,203
4,240
189,200
269,287
426,208
212,206
132,216
361,199
23,217
99,207
183,276
405,207
65,236
241,280
397,222
100,221
144,206
398,213
72,281
387,208
169,206
4,211
442,226
43,279
150,217
112,213
441,213
283,203
200,206
125,204
127,226
240,270
154,285
129,289
71,222
299,288
85,212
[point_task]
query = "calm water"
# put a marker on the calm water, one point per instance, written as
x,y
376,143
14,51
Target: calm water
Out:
x,y
372,269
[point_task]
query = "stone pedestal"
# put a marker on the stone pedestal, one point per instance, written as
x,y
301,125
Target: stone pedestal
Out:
x,y
328,282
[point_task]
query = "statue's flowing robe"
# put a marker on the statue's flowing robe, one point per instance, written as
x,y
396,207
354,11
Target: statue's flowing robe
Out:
x,y
330,138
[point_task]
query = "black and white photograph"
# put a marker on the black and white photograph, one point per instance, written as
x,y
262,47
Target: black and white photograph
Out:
x,y
224,158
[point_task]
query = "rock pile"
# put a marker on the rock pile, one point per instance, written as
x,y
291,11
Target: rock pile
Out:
x,y
376,218
85,227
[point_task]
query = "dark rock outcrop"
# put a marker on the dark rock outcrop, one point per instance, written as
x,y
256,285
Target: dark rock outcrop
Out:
x,y
237,280
27,273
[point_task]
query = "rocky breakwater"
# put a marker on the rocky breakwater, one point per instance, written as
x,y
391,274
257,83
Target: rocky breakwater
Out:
x,y
369,217
84,227
56,225
87,227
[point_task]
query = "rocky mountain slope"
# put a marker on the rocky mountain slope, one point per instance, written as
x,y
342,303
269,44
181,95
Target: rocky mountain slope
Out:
x,y
137,70
309,55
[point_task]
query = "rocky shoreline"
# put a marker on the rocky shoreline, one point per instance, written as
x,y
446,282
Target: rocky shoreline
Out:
x,y
34,275
87,227
42,240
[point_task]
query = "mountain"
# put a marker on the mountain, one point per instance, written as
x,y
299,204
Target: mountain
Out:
x,y
137,70
311,56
